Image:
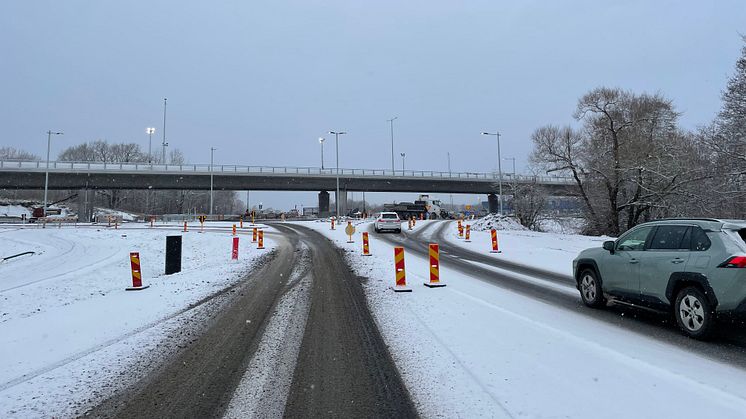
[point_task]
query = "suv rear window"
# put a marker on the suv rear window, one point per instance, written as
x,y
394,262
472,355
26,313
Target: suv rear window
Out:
x,y
390,216
700,241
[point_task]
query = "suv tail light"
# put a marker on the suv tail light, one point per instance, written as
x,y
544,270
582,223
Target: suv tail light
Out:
x,y
734,262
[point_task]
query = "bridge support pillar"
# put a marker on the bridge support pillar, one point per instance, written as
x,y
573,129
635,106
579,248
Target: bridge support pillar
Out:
x,y
85,205
323,204
342,199
493,203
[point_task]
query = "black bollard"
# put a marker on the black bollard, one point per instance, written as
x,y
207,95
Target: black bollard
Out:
x,y
173,254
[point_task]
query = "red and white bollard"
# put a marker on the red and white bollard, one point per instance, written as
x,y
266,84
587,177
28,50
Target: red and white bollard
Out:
x,y
495,248
434,267
366,247
136,274
185,226
234,252
468,233
332,223
253,235
234,229
400,274
260,244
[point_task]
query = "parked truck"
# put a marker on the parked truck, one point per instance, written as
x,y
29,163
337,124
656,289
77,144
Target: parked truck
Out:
x,y
423,207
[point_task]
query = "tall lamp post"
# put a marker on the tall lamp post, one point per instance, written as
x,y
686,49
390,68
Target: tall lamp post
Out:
x,y
336,143
164,144
391,122
449,176
150,131
321,141
46,172
403,155
499,170
212,153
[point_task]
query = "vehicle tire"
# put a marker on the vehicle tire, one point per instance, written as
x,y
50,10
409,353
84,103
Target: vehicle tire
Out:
x,y
398,231
376,229
693,313
590,289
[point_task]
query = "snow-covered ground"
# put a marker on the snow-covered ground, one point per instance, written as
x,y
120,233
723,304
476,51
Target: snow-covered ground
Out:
x,y
549,251
70,334
472,349
15,211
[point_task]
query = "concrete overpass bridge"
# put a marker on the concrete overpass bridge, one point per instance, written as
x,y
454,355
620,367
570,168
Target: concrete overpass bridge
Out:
x,y
85,175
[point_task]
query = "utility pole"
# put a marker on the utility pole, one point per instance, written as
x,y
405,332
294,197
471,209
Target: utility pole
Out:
x,y
321,141
150,132
336,142
499,170
449,176
402,163
212,153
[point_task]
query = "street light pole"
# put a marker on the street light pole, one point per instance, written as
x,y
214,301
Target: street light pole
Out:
x,y
164,143
499,170
336,143
449,175
46,172
321,141
212,153
402,163
391,121
150,132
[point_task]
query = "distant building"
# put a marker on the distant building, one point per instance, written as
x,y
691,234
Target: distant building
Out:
x,y
310,211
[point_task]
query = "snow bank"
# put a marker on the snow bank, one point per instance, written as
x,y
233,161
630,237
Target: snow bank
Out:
x,y
15,211
122,215
497,222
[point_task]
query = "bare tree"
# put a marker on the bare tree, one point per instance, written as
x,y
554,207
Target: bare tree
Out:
x,y
529,201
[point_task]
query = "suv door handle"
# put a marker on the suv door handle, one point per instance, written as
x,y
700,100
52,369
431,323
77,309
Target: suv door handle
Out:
x,y
633,260
677,260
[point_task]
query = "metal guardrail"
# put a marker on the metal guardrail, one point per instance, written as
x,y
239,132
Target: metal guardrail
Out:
x,y
67,167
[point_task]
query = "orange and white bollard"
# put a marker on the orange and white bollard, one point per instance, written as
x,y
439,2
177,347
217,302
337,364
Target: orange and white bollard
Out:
x,y
332,223
136,274
400,274
234,251
495,248
366,246
185,227
240,220
460,231
434,267
253,235
468,233
260,244
234,229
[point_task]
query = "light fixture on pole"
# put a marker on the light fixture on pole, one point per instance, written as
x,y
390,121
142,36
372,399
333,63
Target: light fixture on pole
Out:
x,y
391,121
150,131
321,141
402,162
164,144
212,153
499,170
46,172
336,143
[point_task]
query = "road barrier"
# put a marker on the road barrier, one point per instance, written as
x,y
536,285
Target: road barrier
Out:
x,y
495,248
253,235
434,267
260,244
234,251
350,230
366,247
240,221
185,227
136,274
460,230
234,229
468,233
400,275
332,223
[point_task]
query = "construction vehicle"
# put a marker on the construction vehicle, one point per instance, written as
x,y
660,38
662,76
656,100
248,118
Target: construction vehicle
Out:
x,y
38,212
423,207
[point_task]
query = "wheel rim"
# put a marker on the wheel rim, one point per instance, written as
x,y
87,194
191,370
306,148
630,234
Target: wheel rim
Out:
x,y
588,286
691,313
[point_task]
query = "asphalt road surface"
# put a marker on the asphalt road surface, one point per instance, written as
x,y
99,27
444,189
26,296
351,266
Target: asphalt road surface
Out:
x,y
343,368
729,344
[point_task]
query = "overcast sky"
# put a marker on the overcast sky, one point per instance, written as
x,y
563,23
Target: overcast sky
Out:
x,y
261,81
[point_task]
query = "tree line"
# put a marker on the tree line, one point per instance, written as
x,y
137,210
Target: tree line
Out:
x,y
632,162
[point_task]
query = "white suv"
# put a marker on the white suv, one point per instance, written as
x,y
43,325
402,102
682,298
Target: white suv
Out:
x,y
388,221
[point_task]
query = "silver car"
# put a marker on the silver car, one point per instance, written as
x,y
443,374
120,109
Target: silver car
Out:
x,y
387,221
694,268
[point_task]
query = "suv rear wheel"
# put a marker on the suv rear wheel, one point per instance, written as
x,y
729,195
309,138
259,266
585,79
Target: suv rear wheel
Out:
x,y
590,289
693,313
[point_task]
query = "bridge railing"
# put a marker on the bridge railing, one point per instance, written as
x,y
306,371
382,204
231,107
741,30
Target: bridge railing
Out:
x,y
65,166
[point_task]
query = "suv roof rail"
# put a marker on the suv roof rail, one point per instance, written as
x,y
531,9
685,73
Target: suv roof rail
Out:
x,y
686,219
